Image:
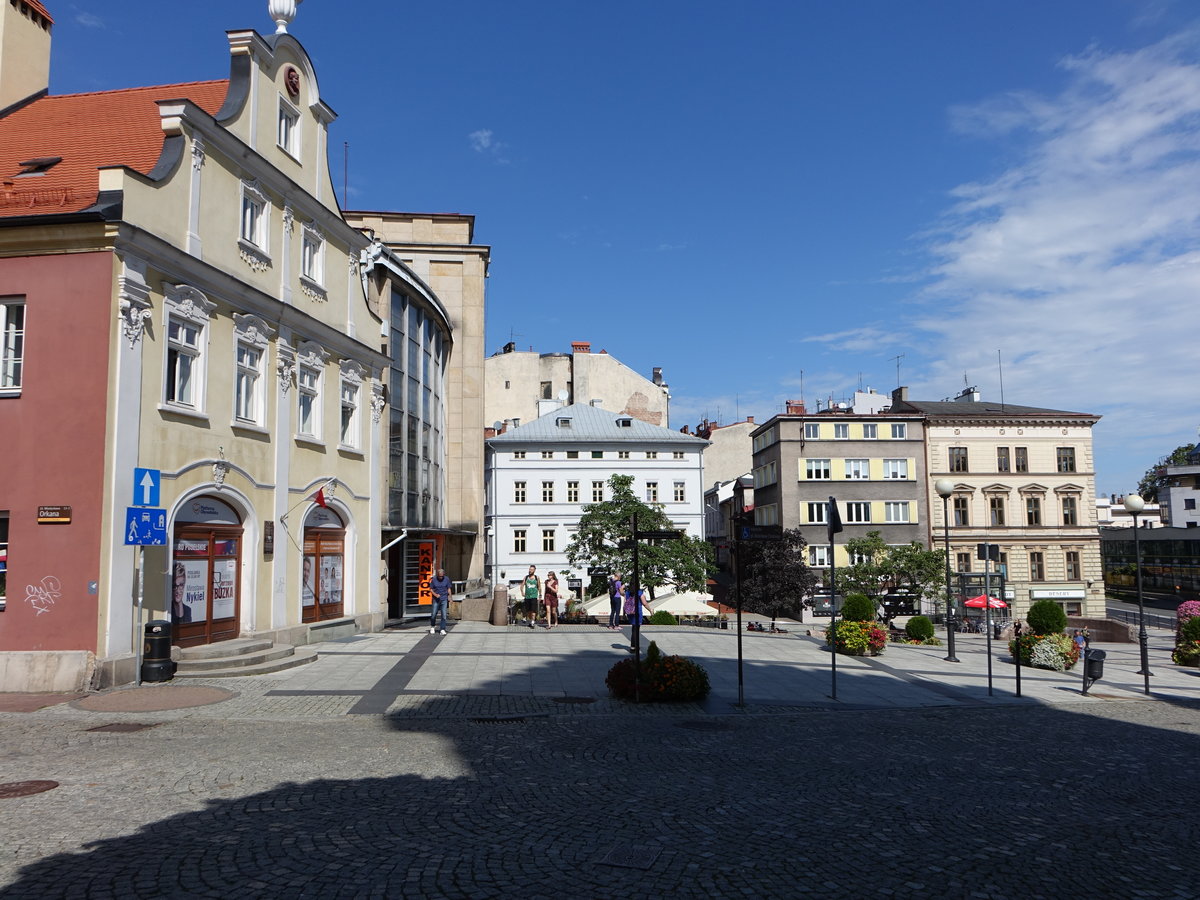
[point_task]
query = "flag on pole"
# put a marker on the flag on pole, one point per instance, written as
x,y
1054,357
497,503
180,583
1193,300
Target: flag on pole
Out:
x,y
319,497
833,520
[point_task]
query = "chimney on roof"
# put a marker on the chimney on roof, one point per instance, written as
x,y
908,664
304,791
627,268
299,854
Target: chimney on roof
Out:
x,y
899,394
24,51
510,347
969,395
656,377
581,346
750,420
795,408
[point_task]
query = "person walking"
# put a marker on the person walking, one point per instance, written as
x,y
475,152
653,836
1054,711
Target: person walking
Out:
x,y
616,595
440,586
636,609
531,590
551,599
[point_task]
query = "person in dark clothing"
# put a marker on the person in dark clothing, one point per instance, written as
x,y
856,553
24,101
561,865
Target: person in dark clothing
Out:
x,y
440,585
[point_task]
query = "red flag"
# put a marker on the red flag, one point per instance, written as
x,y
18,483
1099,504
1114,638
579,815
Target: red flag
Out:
x,y
319,496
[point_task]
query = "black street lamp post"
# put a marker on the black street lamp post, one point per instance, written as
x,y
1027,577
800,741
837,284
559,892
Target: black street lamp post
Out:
x,y
1135,504
944,488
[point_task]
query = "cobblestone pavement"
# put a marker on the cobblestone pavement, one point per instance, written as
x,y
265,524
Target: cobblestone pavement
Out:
x,y
384,774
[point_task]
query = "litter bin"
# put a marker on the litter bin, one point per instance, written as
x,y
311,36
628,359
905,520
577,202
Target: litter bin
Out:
x,y
156,655
1095,664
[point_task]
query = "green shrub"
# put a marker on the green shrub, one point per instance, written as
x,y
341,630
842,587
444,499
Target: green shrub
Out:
x,y
858,608
856,638
1046,617
664,679
662,617
1046,651
919,628
1190,629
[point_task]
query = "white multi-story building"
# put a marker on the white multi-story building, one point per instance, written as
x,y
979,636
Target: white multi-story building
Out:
x,y
539,476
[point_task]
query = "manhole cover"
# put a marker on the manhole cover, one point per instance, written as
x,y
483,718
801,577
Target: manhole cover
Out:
x,y
704,725
574,699
632,856
25,788
119,727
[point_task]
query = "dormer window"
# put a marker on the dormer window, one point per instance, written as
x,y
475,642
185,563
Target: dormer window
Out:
x,y
288,136
624,422
563,421
38,166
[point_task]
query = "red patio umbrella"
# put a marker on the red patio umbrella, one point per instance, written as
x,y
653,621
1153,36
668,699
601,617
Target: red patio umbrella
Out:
x,y
982,599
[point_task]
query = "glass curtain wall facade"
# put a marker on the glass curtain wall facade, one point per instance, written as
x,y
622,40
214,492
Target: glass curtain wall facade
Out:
x,y
417,428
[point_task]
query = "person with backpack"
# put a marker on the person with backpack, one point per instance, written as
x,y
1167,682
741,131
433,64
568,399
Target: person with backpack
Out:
x,y
531,591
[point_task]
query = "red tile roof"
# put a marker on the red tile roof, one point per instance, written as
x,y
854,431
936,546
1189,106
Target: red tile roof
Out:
x,y
38,8
108,128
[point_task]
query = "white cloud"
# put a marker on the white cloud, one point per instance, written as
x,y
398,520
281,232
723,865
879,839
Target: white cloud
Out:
x,y
867,338
484,141
87,20
1081,261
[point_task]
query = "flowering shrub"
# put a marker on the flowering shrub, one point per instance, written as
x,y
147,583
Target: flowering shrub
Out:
x,y
1046,651
663,678
1187,610
1187,637
856,638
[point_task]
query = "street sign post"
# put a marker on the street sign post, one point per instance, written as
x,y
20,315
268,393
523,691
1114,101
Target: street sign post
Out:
x,y
760,532
146,485
145,527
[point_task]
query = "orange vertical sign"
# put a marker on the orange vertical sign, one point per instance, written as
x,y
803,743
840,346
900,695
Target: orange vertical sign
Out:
x,y
425,556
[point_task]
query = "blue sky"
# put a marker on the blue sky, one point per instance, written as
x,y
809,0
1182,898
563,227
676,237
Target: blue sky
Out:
x,y
774,200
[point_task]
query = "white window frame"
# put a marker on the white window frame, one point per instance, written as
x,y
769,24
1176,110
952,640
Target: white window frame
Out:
x,y
841,431
310,390
818,512
899,431
858,469
597,491
254,229
679,492
350,393
520,492
677,454
12,344
897,512
188,307
518,454
622,454
547,491
870,431
287,130
858,512
250,334
651,454
818,556
548,540
547,454
651,491
519,537
312,255
812,431
895,469
572,491
817,465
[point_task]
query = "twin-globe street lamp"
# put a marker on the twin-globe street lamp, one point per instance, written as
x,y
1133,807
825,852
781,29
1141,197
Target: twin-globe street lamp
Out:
x,y
1134,504
944,488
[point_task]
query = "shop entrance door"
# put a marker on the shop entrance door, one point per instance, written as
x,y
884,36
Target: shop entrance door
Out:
x,y
323,574
206,573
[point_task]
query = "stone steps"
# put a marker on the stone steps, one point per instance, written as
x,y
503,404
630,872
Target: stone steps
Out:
x,y
245,657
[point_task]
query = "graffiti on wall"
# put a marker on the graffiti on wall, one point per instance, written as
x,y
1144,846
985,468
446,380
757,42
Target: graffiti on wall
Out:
x,y
41,596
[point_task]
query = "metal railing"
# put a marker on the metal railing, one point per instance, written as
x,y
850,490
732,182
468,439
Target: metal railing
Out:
x,y
1130,617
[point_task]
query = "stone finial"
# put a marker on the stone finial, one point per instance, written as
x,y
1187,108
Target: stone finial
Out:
x,y
282,12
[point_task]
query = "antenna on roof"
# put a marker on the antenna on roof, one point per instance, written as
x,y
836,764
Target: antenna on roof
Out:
x,y
1000,366
897,361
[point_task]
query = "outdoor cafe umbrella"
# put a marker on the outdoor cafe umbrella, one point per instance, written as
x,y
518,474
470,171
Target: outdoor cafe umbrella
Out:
x,y
978,602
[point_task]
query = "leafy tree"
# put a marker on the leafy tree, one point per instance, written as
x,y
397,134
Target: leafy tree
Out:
x,y
880,570
685,563
1155,478
776,580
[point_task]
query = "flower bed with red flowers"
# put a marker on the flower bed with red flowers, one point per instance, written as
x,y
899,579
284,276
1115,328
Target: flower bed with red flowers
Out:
x,y
664,679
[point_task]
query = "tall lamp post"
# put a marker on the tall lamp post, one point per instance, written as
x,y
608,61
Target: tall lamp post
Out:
x,y
1134,504
944,488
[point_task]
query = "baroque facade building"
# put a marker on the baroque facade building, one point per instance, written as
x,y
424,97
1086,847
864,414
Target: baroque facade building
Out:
x,y
191,366
1023,478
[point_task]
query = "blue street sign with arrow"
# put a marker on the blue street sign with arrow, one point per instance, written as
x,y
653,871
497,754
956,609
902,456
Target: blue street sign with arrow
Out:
x,y
146,483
